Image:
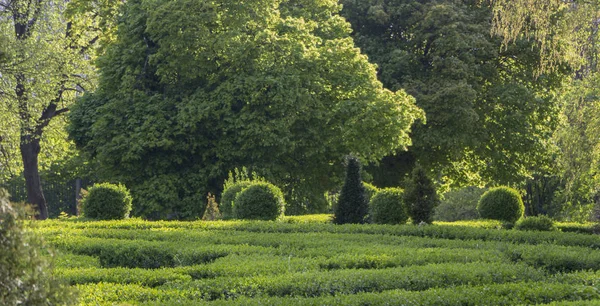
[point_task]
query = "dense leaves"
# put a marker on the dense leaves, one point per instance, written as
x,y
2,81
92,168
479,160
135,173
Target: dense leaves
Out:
x,y
259,201
25,274
501,203
420,196
107,201
352,205
191,89
488,117
387,207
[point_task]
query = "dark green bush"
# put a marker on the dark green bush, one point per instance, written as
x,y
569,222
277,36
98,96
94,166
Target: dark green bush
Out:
x,y
25,275
387,207
259,201
537,223
420,196
229,194
352,205
501,203
107,201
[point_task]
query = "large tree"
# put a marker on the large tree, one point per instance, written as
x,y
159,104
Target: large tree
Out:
x,y
488,116
566,32
192,89
47,47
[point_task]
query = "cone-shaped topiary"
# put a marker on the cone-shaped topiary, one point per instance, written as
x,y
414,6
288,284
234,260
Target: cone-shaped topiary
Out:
x,y
259,201
387,207
501,203
420,196
107,201
352,206
211,212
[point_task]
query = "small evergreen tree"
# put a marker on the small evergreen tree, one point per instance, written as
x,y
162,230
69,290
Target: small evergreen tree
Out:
x,y
420,196
352,206
211,213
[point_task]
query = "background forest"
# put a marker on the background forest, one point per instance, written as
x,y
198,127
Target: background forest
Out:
x,y
169,97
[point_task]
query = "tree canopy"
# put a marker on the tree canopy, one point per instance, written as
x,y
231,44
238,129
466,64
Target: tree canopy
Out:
x,y
46,48
489,115
192,89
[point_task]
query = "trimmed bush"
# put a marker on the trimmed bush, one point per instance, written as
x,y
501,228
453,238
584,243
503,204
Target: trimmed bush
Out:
x,y
107,201
537,223
387,207
352,206
229,194
501,203
420,196
259,201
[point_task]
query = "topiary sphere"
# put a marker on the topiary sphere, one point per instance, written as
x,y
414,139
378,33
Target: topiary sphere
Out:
x,y
229,194
107,201
501,203
259,201
387,207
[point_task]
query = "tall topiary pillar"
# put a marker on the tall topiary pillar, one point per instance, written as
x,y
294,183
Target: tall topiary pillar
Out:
x,y
352,206
420,196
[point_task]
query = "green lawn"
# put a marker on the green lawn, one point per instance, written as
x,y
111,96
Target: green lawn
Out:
x,y
307,261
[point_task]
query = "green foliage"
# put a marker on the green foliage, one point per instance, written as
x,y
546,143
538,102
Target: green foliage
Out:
x,y
191,89
483,101
387,207
106,201
352,206
370,191
25,274
259,201
536,223
460,204
212,209
501,203
420,196
229,195
237,180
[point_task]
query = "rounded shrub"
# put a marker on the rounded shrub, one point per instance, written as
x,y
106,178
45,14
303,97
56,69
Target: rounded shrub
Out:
x,y
537,223
259,201
229,194
107,201
501,203
387,207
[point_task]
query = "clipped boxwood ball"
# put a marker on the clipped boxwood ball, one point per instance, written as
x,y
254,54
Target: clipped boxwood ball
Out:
x,y
387,207
228,196
259,201
107,201
501,203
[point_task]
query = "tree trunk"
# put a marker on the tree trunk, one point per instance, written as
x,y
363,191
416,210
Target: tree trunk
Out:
x,y
30,149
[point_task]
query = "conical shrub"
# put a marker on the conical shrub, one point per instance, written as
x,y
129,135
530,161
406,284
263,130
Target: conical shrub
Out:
x,y
352,206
